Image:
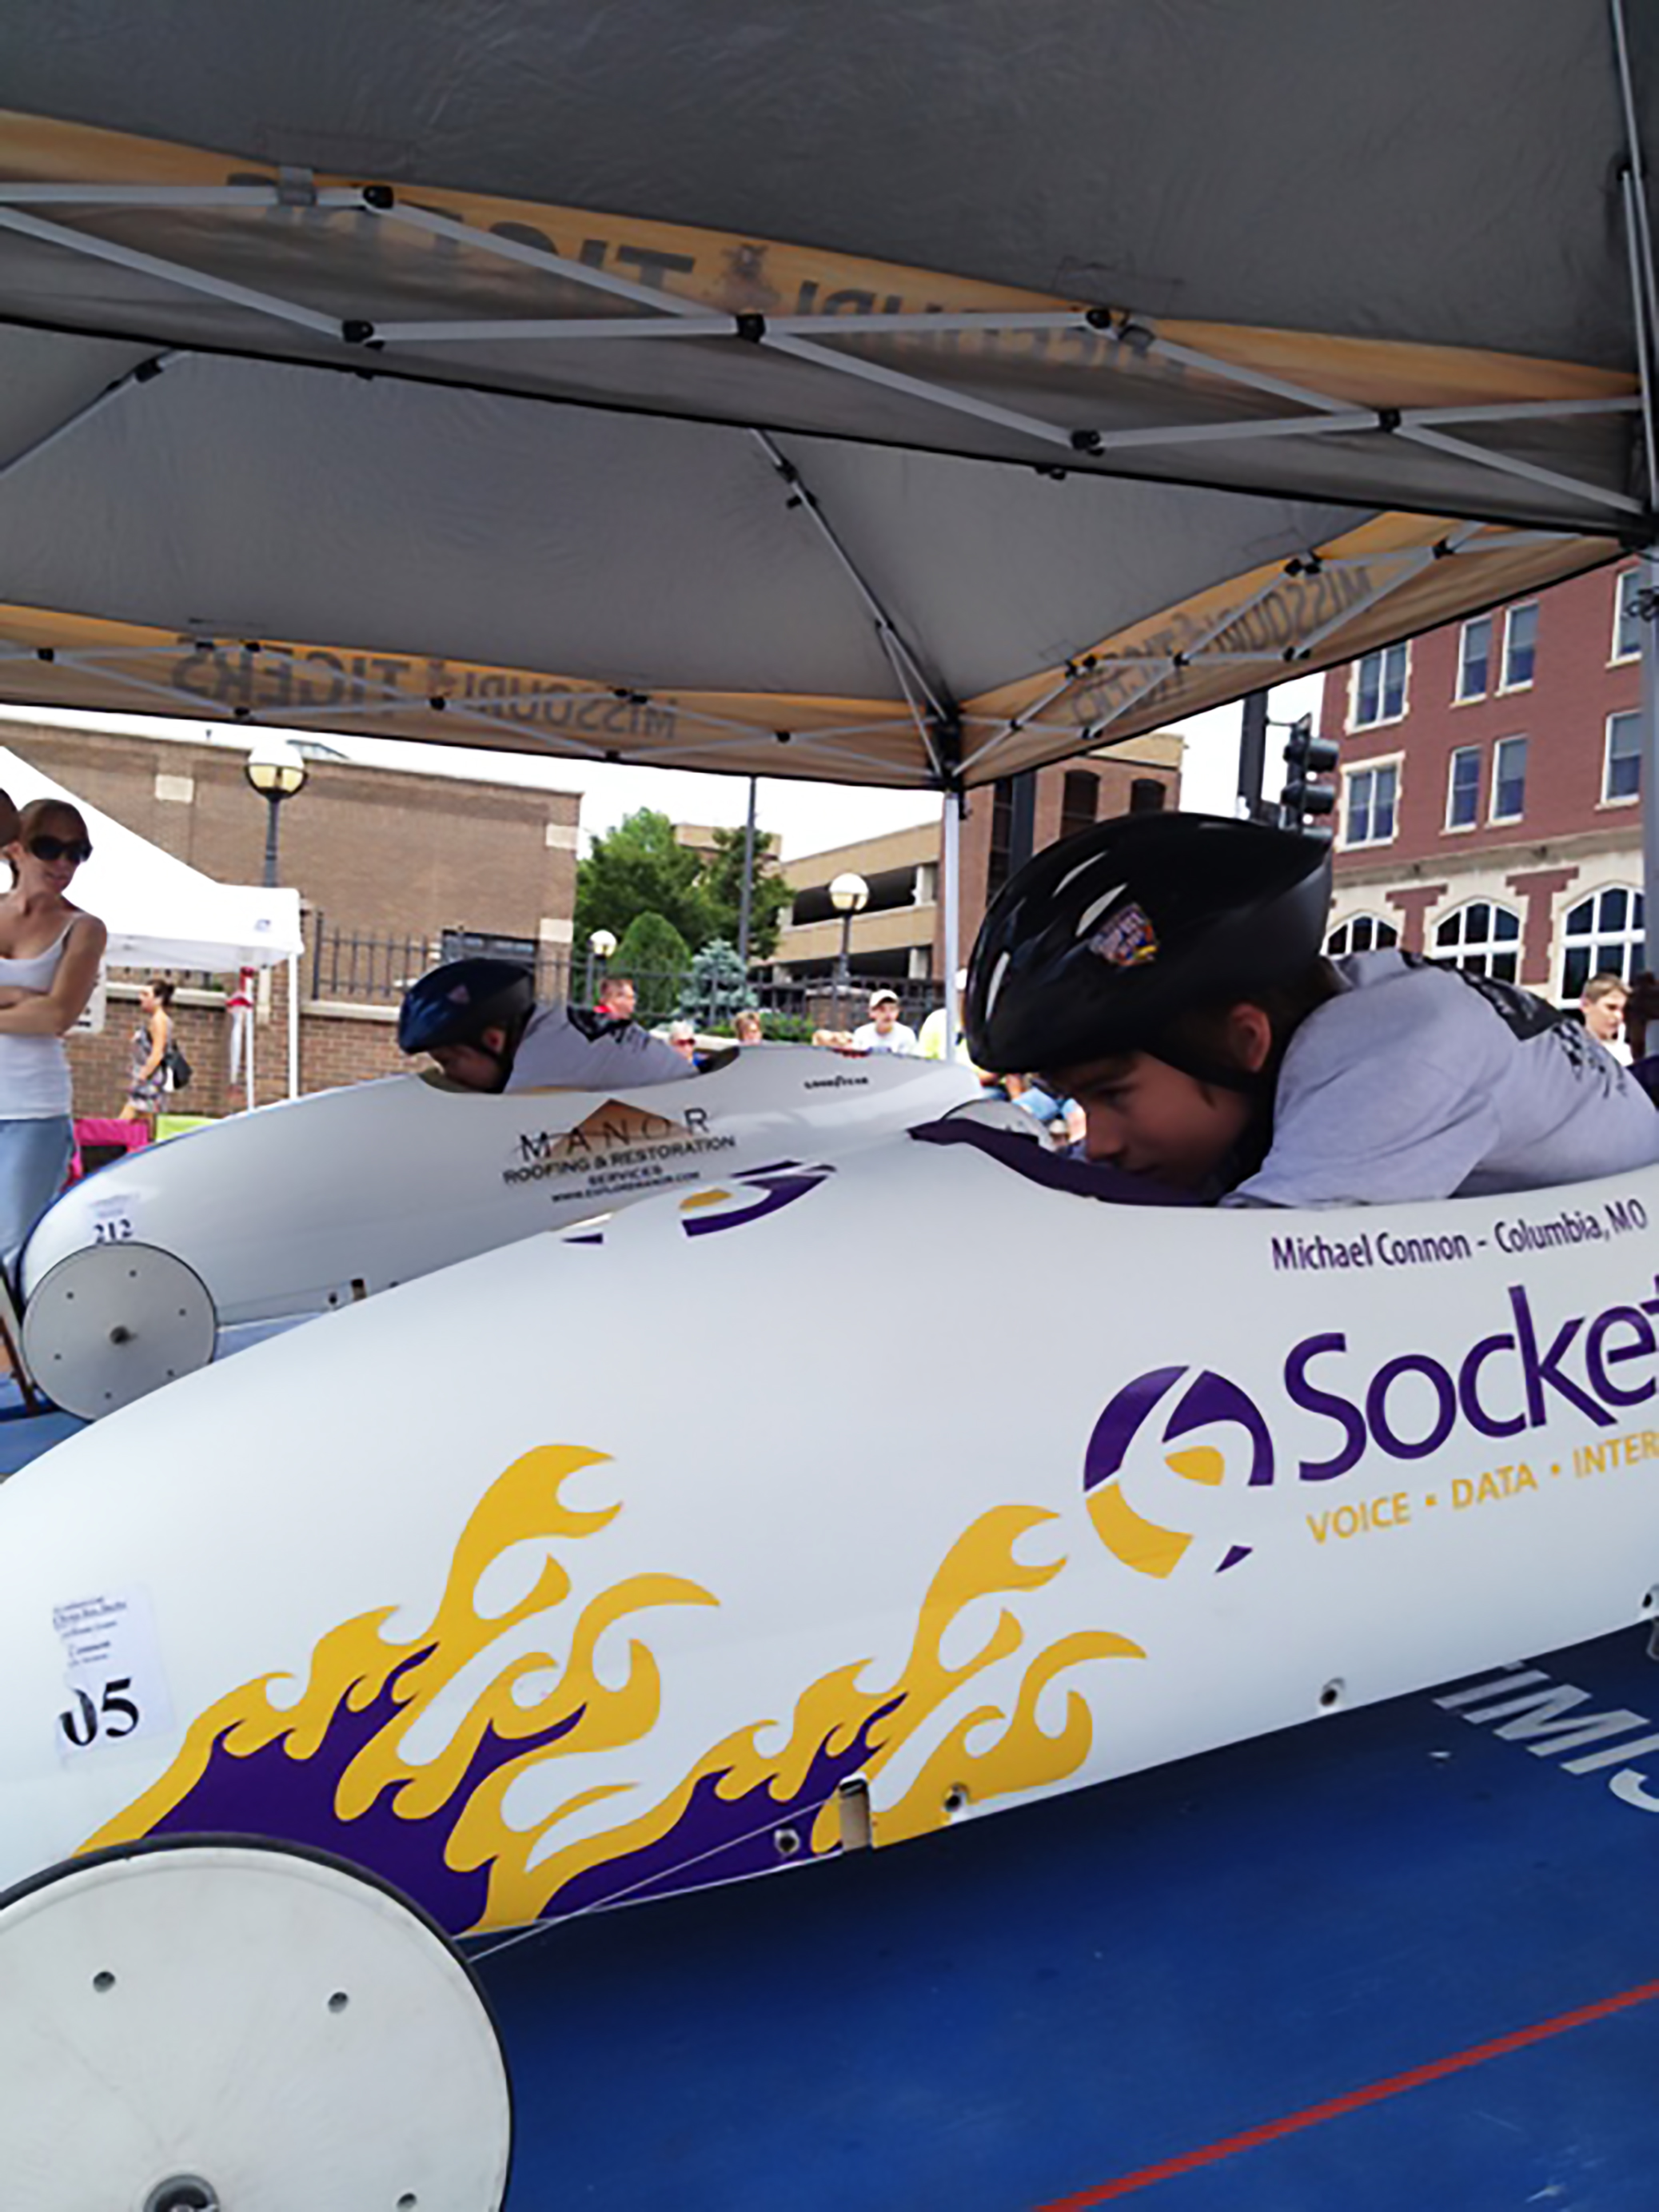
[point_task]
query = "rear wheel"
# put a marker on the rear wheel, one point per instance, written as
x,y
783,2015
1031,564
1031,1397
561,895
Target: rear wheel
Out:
x,y
113,1322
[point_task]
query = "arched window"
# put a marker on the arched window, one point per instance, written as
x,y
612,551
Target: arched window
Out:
x,y
1361,932
1601,935
1079,801
1484,938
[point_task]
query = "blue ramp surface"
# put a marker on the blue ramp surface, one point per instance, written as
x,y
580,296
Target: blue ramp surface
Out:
x,y
1396,1958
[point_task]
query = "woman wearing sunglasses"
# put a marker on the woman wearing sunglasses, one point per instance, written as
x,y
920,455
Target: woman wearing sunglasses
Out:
x,y
50,951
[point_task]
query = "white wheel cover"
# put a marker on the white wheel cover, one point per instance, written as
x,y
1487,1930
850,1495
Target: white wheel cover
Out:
x,y
270,2024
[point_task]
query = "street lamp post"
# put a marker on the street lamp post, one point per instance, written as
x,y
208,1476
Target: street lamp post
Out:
x,y
600,946
277,771
849,895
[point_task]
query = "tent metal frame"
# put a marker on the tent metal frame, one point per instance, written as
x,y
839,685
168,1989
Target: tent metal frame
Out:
x,y
800,337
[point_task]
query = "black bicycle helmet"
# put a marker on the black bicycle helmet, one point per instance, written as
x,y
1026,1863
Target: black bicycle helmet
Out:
x,y
456,1003
1099,943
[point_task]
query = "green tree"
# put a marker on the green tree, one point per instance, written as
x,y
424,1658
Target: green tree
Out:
x,y
657,957
639,868
716,987
722,882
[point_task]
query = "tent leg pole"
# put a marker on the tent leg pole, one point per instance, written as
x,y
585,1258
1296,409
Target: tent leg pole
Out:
x,y
950,841
293,1026
744,895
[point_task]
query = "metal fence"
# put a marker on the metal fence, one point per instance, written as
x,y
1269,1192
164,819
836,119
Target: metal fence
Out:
x,y
361,968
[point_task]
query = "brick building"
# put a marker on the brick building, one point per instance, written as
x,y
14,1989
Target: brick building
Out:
x,y
899,938
1489,796
393,869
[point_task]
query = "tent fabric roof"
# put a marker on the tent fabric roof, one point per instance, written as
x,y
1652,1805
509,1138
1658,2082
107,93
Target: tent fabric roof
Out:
x,y
946,388
159,911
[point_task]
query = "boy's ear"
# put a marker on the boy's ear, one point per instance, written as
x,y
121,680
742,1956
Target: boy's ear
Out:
x,y
1250,1034
492,1040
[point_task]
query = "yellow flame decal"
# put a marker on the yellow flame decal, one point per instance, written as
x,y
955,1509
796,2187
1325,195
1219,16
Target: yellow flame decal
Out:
x,y
838,1722
351,1666
830,1713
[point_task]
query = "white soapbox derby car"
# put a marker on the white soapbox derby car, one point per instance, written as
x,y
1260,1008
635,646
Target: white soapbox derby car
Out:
x,y
130,1279
821,1506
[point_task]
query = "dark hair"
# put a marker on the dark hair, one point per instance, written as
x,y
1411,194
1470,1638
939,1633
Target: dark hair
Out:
x,y
1202,1030
43,810
161,989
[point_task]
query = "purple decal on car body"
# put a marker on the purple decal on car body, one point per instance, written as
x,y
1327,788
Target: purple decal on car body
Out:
x,y
270,1792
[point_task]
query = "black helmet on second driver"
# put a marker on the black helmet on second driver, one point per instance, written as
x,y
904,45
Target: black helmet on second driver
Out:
x,y
456,1003
1097,945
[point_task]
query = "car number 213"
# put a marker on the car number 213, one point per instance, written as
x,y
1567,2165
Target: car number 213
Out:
x,y
113,1714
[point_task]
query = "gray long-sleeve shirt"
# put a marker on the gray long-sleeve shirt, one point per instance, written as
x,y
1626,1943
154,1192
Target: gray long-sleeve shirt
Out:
x,y
569,1048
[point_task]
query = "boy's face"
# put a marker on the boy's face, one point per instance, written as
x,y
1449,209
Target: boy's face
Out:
x,y
481,1067
1150,1118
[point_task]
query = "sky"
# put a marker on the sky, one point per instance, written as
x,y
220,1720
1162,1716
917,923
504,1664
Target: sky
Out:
x,y
809,818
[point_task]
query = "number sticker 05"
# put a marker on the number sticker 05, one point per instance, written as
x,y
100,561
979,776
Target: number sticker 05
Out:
x,y
113,1678
114,1713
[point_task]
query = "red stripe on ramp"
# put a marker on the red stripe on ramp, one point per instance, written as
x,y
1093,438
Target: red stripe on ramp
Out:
x,y
1353,2100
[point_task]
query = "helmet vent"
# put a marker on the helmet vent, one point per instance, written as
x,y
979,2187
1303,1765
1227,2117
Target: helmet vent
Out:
x,y
1094,860
995,985
1091,914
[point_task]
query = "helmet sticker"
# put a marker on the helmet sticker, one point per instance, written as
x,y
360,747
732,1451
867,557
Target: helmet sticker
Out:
x,y
1127,940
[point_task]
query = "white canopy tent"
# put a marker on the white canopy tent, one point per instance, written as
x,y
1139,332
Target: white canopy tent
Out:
x,y
892,392
162,912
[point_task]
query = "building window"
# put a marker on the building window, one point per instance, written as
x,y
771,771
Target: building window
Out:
x,y
1621,769
1474,659
1373,796
1002,837
1627,622
1361,932
1079,801
1379,687
1482,937
1520,645
1601,936
1509,779
1463,789
1148,795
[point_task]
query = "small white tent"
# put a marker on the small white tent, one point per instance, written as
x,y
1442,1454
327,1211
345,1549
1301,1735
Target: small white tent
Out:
x,y
162,913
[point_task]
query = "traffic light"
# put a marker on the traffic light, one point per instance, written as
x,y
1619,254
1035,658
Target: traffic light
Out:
x,y
1308,758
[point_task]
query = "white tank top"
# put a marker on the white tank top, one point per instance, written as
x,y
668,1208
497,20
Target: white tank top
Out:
x,y
35,1070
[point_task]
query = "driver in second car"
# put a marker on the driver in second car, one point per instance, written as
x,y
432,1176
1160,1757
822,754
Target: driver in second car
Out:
x,y
479,1020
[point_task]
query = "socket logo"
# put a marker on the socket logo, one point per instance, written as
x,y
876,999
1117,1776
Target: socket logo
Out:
x,y
1209,1401
1341,1404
